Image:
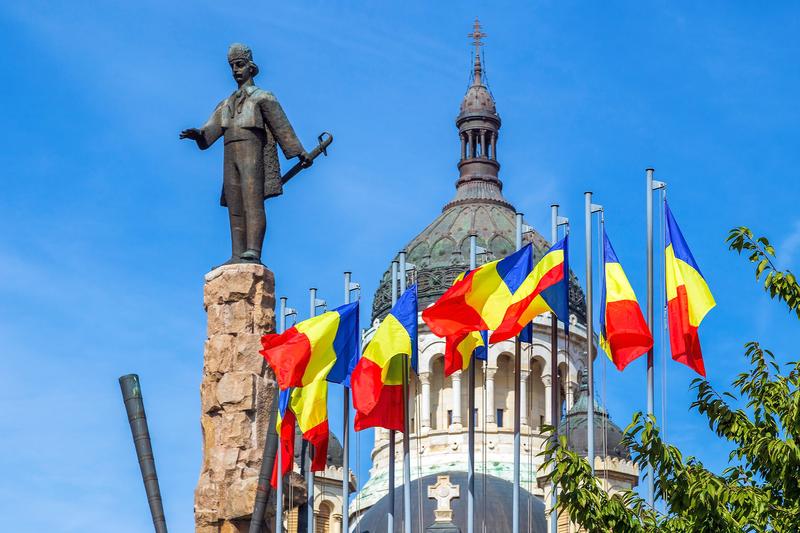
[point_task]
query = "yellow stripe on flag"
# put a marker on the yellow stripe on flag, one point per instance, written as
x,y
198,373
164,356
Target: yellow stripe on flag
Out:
x,y
321,332
390,339
698,294
310,404
618,287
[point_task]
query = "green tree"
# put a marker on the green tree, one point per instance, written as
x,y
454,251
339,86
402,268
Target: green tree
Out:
x,y
760,488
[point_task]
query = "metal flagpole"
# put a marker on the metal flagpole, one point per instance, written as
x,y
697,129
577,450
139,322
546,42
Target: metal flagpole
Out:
x,y
406,420
554,407
314,303
515,511
473,252
652,185
589,209
517,406
390,514
348,288
279,493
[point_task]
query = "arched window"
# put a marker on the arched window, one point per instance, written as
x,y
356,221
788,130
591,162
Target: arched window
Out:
x,y
438,414
322,523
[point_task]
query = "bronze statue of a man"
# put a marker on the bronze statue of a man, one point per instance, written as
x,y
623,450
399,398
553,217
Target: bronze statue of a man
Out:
x,y
252,122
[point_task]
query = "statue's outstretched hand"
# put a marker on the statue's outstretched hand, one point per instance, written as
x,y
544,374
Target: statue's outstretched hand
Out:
x,y
191,133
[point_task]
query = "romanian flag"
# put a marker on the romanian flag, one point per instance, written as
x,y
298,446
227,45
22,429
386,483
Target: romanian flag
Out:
x,y
459,348
688,298
322,347
308,408
377,381
624,334
479,301
546,288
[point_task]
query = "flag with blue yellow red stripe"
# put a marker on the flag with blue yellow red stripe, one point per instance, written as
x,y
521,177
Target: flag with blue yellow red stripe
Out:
x,y
624,334
688,297
479,301
460,348
308,408
324,347
377,380
545,288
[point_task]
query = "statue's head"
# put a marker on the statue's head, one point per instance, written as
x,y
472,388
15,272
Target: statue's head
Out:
x,y
240,58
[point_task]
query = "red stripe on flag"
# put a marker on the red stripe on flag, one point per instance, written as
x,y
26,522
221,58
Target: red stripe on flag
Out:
x,y
366,383
510,325
285,445
683,338
626,332
318,436
453,360
387,412
288,354
451,314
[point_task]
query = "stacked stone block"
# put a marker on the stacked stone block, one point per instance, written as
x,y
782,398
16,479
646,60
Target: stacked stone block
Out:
x,y
236,394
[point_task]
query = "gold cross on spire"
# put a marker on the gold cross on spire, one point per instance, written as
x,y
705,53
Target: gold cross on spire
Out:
x,y
477,35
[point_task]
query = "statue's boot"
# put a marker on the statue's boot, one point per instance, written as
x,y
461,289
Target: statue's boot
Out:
x,y
232,261
250,256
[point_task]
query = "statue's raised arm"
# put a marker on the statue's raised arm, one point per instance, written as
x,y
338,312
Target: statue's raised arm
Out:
x,y
252,124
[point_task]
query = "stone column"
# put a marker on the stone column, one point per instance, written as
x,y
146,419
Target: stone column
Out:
x,y
523,393
455,378
425,408
235,395
490,406
336,523
573,394
546,382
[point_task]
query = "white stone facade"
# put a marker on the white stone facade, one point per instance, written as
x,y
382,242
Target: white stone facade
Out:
x,y
439,420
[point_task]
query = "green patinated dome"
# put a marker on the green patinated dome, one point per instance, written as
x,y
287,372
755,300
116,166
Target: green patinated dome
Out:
x,y
608,437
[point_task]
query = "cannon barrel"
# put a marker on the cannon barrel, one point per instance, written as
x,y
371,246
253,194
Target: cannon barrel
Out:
x,y
132,396
264,490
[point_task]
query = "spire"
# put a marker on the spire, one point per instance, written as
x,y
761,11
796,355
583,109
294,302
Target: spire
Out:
x,y
478,128
476,37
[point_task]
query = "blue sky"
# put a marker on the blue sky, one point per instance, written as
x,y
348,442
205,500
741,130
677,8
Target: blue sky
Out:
x,y
110,222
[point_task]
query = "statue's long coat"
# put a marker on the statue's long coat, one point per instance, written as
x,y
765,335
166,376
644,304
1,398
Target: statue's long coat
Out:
x,y
259,110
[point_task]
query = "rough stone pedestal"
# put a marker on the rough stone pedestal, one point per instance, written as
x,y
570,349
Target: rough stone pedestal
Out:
x,y
236,394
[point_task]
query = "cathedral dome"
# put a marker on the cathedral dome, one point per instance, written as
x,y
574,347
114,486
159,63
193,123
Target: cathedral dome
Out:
x,y
608,436
335,455
441,251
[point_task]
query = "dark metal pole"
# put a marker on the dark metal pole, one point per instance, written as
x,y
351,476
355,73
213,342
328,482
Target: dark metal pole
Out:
x,y
515,505
589,332
132,396
302,518
554,384
348,286
652,185
312,312
473,261
264,488
390,514
406,420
